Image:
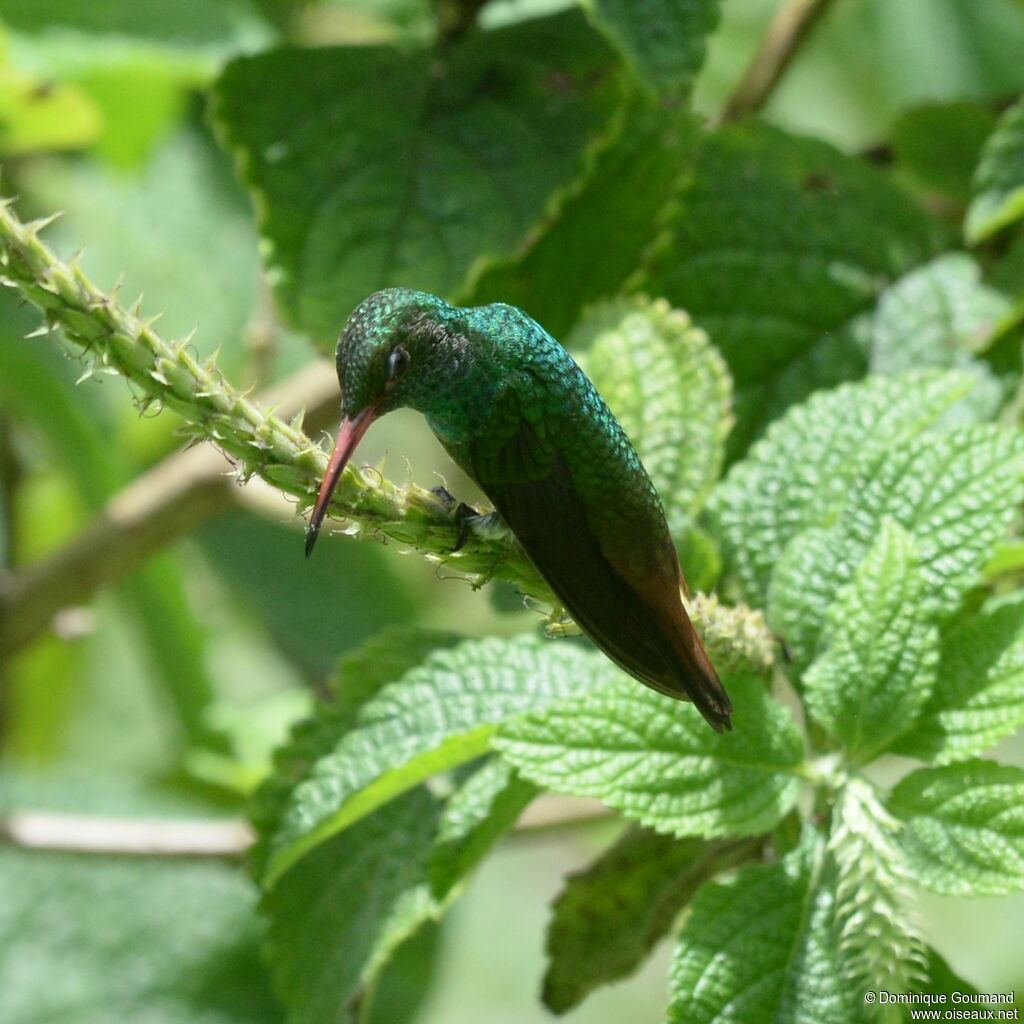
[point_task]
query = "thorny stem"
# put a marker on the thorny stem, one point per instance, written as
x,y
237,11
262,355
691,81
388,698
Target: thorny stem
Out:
x,y
113,339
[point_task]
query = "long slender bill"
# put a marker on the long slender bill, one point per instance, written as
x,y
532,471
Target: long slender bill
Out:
x,y
350,434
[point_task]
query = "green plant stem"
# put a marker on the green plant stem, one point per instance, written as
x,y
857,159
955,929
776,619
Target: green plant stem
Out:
x,y
110,338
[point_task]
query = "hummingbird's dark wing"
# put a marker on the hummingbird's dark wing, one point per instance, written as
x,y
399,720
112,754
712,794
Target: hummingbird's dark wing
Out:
x,y
644,628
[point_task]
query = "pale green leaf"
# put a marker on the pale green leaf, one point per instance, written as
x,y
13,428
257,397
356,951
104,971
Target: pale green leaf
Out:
x,y
955,493
937,315
474,818
779,242
611,914
670,391
440,714
881,648
338,915
963,832
761,949
979,694
798,477
999,180
373,167
655,759
664,41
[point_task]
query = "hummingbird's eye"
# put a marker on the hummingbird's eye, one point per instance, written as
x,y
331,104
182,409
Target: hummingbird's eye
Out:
x,y
398,363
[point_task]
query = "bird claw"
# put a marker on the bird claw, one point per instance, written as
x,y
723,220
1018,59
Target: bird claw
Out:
x,y
486,525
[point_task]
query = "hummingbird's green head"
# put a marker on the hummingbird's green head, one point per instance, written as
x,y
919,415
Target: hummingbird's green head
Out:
x,y
390,350
394,351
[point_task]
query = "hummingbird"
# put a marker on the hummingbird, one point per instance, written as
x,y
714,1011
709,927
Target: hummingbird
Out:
x,y
519,416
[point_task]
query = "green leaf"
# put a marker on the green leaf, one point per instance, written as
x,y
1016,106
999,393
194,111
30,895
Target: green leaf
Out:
x,y
570,263
664,41
963,831
373,167
37,115
881,650
800,474
440,714
999,180
670,391
979,695
937,315
938,145
91,940
214,25
337,916
611,914
474,818
404,984
955,493
779,242
657,762
95,939
361,674
761,949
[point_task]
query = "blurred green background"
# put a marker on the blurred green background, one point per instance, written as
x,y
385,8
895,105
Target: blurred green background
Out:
x,y
166,694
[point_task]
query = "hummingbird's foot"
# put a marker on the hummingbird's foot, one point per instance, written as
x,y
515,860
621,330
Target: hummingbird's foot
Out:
x,y
486,525
446,497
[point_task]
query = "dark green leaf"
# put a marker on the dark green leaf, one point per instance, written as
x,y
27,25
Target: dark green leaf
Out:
x,y
779,242
571,262
611,914
314,610
376,168
338,915
938,145
663,40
